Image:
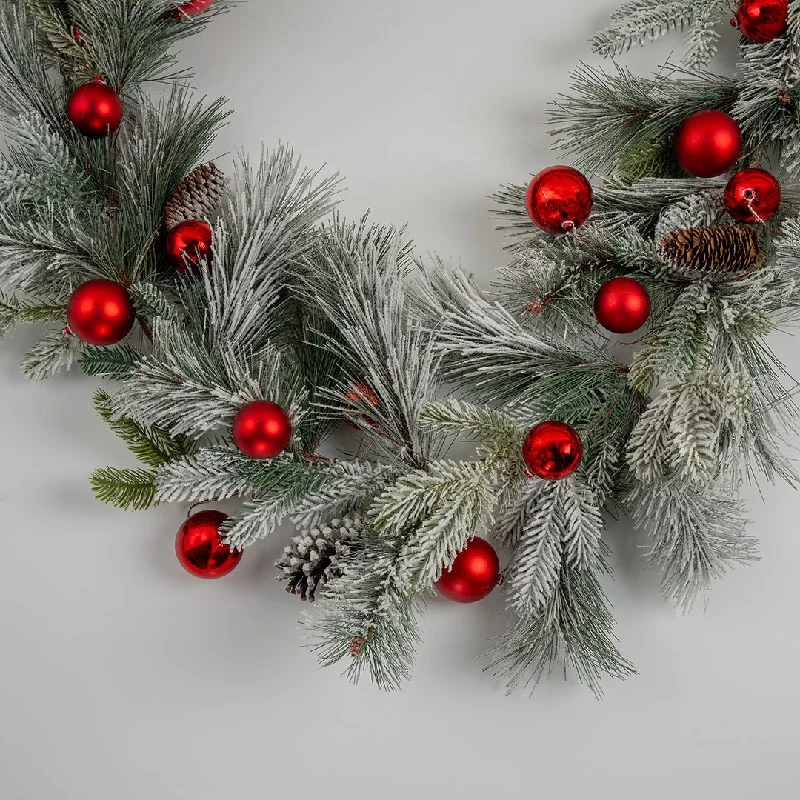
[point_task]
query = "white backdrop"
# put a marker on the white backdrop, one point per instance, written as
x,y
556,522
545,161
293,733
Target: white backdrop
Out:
x,y
121,677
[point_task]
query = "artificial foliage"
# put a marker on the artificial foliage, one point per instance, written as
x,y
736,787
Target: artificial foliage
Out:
x,y
337,321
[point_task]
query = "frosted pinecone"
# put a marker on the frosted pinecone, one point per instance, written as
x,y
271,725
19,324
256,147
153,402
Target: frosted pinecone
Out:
x,y
197,196
315,557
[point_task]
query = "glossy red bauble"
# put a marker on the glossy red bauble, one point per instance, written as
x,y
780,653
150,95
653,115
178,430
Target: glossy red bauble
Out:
x,y
622,305
473,574
200,548
262,429
95,109
189,243
552,450
100,312
192,7
708,143
752,195
762,20
559,199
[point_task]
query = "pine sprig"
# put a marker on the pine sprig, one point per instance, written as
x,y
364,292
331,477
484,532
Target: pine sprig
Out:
x,y
128,489
154,447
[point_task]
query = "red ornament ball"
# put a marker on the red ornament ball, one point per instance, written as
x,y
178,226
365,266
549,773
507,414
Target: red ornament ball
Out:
x,y
363,393
100,312
708,143
552,450
189,243
200,548
262,429
559,199
752,195
473,574
191,8
762,20
95,109
622,305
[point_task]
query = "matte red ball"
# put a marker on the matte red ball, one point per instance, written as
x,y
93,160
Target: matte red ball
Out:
x,y
192,7
559,199
95,109
708,143
622,305
552,450
100,312
200,548
752,195
473,574
189,243
763,20
262,429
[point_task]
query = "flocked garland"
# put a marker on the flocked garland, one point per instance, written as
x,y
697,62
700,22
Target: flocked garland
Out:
x,y
244,321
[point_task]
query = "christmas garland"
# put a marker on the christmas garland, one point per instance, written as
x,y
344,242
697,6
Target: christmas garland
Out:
x,y
243,322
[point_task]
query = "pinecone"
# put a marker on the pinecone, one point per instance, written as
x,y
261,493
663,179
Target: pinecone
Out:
x,y
315,557
196,196
717,248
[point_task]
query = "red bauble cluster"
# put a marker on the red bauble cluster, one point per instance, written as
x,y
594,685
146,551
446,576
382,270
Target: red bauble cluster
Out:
x,y
752,195
100,312
552,450
762,20
95,109
622,305
200,548
708,143
559,199
191,8
262,429
473,574
189,243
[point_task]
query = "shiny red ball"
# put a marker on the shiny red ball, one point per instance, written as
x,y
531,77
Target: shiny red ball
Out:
x,y
763,20
559,199
262,429
473,574
189,243
100,312
708,143
192,7
200,548
752,195
95,109
552,450
622,305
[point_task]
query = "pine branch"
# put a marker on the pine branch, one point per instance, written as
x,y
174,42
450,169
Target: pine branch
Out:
x,y
13,310
574,628
367,621
129,489
697,536
55,352
638,21
152,446
115,363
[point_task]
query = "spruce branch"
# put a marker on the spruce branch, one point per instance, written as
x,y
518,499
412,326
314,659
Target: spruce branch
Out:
x,y
55,352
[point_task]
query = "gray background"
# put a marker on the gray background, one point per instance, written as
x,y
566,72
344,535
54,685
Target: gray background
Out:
x,y
121,677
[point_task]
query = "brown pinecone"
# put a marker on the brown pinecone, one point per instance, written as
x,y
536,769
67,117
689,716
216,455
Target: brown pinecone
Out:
x,y
197,196
716,248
